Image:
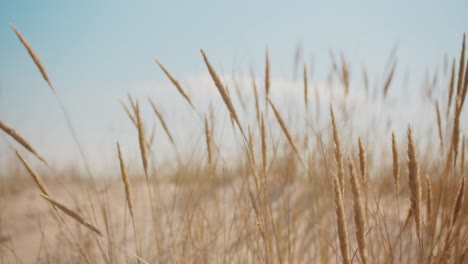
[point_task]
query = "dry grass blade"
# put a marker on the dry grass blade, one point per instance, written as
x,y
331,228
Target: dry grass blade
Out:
x,y
23,142
264,147
461,68
142,140
465,87
365,77
253,162
341,220
451,87
132,118
267,75
396,164
161,119
208,141
175,83
453,151
439,126
34,56
462,158
284,127
389,79
345,75
239,94
429,200
126,181
306,88
359,217
73,215
132,101
362,161
40,184
224,94
457,207
338,152
257,99
414,184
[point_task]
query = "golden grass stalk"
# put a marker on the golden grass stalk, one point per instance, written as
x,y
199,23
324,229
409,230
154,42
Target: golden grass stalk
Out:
x,y
389,79
132,101
457,207
239,94
396,164
34,56
345,75
33,174
465,87
306,88
297,58
257,100
222,90
161,119
396,183
453,152
462,158
338,152
253,162
451,86
359,217
461,67
208,142
267,211
23,142
267,75
439,126
284,127
365,76
264,146
126,181
341,220
142,140
459,99
414,184
72,214
362,161
429,200
132,118
175,83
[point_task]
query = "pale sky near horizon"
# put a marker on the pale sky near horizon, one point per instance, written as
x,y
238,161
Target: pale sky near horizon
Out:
x,y
97,51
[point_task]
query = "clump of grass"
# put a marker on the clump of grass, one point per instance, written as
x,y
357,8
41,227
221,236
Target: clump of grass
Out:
x,y
253,216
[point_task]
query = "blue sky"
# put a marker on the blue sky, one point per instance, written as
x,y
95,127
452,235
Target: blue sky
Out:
x,y
97,51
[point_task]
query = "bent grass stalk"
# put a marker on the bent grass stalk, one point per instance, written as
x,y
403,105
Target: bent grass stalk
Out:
x,y
88,225
23,142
